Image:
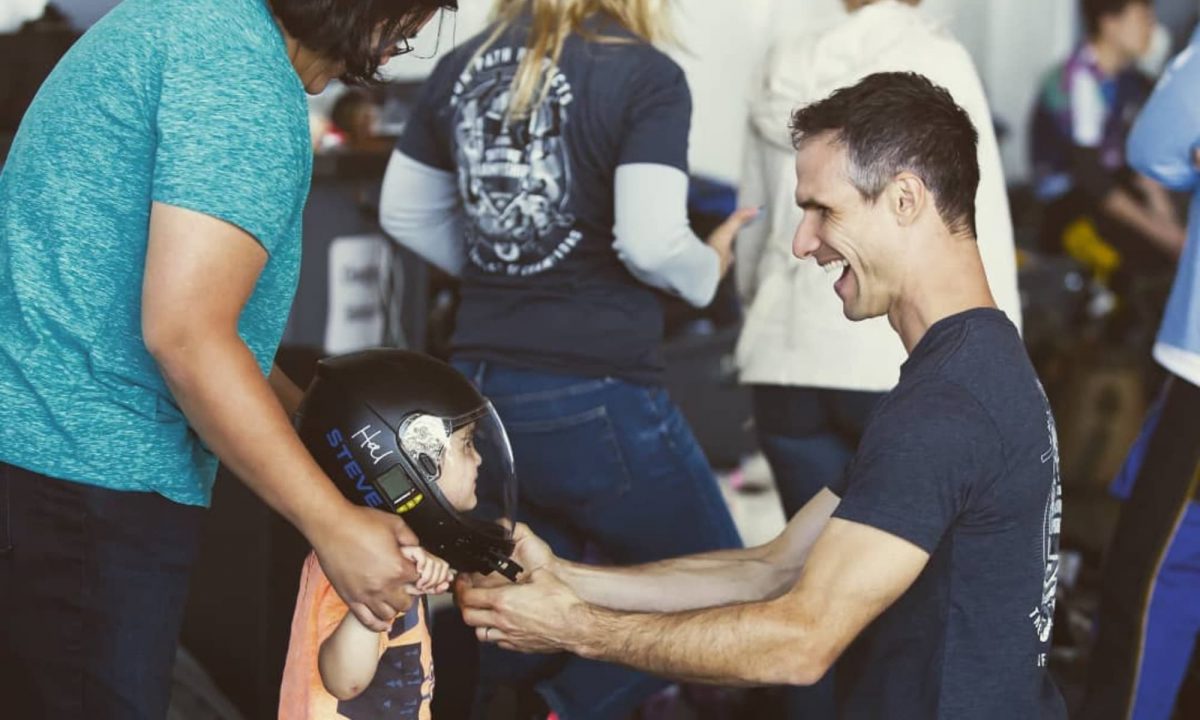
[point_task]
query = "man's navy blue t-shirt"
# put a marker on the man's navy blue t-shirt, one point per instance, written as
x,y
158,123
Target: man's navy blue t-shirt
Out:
x,y
961,460
543,287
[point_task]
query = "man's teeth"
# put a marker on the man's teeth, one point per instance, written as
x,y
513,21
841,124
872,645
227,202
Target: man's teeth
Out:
x,y
835,266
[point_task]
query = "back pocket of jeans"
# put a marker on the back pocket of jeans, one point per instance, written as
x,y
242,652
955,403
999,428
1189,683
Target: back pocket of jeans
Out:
x,y
573,460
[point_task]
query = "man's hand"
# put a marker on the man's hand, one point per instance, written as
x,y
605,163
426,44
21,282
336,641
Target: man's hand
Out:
x,y
721,239
540,615
529,551
359,550
1158,199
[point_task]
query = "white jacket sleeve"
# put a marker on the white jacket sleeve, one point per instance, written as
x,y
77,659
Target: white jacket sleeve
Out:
x,y
421,210
652,235
752,239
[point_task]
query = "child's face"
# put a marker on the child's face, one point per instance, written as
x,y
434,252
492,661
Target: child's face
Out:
x,y
460,467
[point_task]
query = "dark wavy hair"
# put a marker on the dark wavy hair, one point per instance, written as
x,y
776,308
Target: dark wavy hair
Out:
x,y
896,121
348,30
1094,11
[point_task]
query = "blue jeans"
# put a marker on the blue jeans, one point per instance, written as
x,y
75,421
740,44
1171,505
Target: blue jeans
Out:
x,y
607,468
92,590
808,436
1149,616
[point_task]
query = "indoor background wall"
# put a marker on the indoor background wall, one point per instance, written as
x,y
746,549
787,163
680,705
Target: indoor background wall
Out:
x,y
721,43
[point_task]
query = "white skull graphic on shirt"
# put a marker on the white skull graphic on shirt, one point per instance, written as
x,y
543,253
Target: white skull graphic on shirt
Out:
x,y
514,174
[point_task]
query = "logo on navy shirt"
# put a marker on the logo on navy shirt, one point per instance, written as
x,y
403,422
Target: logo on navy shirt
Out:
x,y
1043,614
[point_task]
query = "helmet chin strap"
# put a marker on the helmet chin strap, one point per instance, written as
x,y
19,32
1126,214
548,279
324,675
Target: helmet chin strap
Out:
x,y
466,547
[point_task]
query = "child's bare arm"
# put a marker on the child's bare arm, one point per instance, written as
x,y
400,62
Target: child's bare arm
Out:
x,y
349,657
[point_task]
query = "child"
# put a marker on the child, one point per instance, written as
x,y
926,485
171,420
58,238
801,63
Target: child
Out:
x,y
337,667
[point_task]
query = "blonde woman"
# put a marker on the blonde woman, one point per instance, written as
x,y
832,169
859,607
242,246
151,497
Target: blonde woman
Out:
x,y
546,166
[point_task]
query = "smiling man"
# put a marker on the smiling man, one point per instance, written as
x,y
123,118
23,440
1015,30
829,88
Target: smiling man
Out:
x,y
930,570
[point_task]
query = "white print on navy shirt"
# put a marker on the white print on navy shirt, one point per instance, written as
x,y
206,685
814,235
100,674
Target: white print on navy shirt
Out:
x,y
514,178
1043,614
368,442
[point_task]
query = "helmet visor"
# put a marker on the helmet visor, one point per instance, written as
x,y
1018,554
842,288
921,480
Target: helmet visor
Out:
x,y
467,464
480,439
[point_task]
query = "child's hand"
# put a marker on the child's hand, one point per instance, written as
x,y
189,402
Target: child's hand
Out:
x,y
434,573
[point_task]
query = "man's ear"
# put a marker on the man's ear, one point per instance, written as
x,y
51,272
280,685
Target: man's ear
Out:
x,y
907,196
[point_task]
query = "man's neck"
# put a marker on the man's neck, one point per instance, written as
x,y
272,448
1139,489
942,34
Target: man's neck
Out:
x,y
954,282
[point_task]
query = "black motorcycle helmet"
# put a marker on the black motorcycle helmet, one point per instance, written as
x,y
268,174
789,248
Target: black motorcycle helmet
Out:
x,y
394,429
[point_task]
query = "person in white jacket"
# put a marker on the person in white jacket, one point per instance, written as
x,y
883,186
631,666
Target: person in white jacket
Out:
x,y
816,375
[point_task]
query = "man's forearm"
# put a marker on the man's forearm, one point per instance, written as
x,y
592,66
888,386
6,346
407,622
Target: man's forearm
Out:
x,y
697,581
233,408
709,579
765,643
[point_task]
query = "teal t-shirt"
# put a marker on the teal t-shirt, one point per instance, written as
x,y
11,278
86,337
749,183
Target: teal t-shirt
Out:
x,y
192,103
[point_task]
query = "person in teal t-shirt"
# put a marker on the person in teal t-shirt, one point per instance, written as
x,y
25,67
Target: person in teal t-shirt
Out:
x,y
150,215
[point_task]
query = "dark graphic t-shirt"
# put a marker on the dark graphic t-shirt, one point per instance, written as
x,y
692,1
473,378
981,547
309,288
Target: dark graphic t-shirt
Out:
x,y
961,459
542,286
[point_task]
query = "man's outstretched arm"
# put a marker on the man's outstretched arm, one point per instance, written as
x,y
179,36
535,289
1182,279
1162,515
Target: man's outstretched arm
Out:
x,y
694,581
852,574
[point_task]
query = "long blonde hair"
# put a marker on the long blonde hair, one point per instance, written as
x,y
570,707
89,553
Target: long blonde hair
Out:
x,y
552,22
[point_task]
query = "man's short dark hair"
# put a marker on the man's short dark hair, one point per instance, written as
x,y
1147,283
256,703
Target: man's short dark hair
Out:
x,y
1094,11
349,30
893,122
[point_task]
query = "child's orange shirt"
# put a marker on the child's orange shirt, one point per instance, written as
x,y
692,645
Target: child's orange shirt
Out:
x,y
403,684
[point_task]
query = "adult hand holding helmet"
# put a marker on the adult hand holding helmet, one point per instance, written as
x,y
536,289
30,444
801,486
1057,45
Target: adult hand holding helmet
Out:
x,y
529,551
359,550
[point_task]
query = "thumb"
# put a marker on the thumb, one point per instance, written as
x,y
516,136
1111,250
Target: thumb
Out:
x,y
725,232
738,218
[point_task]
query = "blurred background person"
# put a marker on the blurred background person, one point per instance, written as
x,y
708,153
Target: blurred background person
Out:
x,y
1081,120
1149,618
354,124
546,165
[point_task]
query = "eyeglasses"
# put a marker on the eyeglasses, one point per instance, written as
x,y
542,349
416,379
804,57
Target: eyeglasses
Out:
x,y
395,48
402,45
